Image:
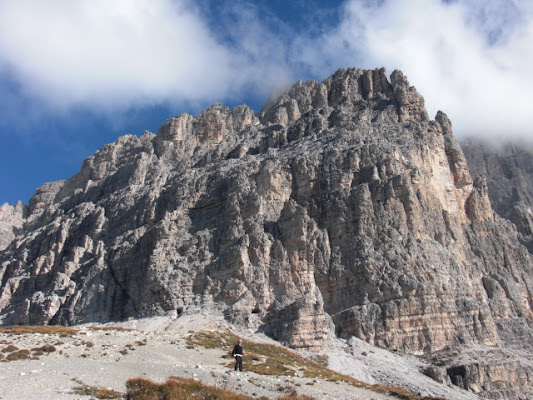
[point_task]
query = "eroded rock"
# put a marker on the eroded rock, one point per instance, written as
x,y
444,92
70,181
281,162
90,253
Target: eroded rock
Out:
x,y
340,201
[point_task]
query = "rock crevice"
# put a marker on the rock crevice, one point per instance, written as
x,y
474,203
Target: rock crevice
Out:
x,y
338,203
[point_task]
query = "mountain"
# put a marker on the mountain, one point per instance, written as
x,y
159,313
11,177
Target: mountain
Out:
x,y
338,209
508,168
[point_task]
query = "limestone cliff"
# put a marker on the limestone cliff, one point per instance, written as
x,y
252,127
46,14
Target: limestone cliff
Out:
x,y
509,171
339,205
11,222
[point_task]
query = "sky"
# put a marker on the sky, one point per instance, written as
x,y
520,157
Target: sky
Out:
x,y
77,74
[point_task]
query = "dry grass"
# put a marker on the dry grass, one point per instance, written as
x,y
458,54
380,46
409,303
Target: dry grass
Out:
x,y
265,359
47,348
109,328
41,329
19,355
176,388
96,392
321,359
212,340
56,329
16,354
293,396
9,349
268,359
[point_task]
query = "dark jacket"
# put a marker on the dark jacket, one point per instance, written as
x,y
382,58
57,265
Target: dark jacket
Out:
x,y
237,350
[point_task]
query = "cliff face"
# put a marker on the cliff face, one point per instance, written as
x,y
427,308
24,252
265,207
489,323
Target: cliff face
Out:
x,y
509,171
11,222
340,205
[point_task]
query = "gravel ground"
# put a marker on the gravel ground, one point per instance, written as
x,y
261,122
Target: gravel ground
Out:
x,y
374,365
156,349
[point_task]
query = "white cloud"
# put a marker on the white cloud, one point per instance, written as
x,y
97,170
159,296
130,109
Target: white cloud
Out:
x,y
470,59
115,53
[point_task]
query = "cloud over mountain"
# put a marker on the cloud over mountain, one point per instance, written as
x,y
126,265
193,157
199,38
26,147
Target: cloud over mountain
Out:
x,y
467,59
111,53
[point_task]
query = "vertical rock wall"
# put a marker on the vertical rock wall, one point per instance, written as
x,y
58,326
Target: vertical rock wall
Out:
x,y
339,203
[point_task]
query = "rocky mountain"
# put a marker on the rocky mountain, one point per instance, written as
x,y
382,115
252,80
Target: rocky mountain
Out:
x,y
11,222
339,209
509,171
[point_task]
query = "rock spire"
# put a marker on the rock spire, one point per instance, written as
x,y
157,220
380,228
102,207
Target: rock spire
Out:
x,y
340,208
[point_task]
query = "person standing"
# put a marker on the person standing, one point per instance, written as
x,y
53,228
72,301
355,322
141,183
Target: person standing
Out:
x,y
237,353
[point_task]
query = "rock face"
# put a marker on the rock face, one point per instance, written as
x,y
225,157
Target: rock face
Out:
x,y
509,171
11,222
339,206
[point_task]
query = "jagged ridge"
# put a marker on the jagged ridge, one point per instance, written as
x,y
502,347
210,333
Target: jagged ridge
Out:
x,y
339,204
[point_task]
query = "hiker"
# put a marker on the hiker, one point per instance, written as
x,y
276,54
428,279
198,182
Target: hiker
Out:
x,y
237,353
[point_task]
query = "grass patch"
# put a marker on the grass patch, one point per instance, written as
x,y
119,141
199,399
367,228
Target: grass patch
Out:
x,y
47,348
41,329
109,328
9,349
269,359
295,396
19,355
212,340
321,360
176,388
264,359
96,392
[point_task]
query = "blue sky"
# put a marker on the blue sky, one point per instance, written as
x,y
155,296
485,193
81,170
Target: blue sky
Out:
x,y
77,74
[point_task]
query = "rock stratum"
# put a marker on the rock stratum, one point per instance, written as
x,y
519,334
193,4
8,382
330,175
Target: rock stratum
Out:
x,y
509,171
339,209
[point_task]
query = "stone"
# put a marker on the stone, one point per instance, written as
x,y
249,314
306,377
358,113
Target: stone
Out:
x,y
11,222
508,170
339,209
410,102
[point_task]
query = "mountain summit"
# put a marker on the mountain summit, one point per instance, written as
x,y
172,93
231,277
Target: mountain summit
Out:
x,y
338,209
